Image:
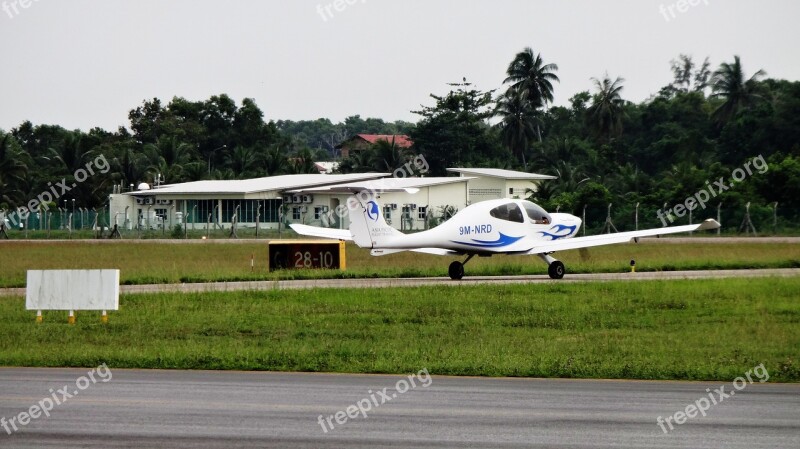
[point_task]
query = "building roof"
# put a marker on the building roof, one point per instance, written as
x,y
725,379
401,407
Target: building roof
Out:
x,y
383,185
256,185
401,140
500,173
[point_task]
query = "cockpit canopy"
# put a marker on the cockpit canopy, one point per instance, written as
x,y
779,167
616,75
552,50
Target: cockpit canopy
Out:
x,y
536,214
511,211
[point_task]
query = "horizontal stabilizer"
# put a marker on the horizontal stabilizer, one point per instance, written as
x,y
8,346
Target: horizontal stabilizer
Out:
x,y
326,233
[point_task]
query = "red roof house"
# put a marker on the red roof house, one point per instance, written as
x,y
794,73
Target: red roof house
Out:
x,y
361,142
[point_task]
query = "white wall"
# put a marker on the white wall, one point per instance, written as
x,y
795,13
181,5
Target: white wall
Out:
x,y
123,211
486,188
520,187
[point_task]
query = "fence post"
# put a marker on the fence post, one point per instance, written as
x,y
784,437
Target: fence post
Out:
x,y
747,223
258,217
584,220
775,218
609,225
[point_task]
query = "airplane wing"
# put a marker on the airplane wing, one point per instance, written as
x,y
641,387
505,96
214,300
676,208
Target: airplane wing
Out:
x,y
437,251
434,251
327,233
620,237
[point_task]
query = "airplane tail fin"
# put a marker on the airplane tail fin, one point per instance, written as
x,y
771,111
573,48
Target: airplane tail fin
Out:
x,y
367,224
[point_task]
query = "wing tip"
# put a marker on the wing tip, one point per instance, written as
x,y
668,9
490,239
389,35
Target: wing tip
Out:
x,y
709,224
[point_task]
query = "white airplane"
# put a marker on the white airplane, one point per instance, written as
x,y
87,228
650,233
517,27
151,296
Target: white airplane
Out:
x,y
505,226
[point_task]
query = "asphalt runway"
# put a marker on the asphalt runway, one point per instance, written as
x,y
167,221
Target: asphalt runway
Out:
x,y
207,409
417,282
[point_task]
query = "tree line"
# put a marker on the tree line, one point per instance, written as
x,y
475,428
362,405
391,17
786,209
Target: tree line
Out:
x,y
603,148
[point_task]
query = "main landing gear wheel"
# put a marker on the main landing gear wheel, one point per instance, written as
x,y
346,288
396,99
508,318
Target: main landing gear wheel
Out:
x,y
556,270
456,270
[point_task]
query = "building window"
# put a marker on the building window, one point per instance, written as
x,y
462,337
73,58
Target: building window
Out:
x,y
318,211
387,213
422,212
510,190
295,213
495,193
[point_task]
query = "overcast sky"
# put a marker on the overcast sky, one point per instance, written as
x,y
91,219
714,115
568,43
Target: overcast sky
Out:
x,y
86,63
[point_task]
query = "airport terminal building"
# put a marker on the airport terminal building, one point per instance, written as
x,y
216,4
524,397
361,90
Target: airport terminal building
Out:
x,y
412,203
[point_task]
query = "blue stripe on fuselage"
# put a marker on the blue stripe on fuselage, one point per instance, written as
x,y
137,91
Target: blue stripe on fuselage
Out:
x,y
503,240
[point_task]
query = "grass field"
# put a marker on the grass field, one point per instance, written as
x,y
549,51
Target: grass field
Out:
x,y
150,262
699,329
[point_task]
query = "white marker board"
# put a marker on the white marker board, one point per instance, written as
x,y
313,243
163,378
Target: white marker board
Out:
x,y
72,290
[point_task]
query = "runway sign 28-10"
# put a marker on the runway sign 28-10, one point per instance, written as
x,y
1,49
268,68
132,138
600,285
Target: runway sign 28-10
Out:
x,y
306,254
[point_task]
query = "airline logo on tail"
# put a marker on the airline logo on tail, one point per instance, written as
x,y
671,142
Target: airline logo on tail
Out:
x,y
373,211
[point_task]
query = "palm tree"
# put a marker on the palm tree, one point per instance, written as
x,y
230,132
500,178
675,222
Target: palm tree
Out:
x,y
606,112
275,161
518,122
167,157
242,160
303,163
528,73
629,179
386,156
729,82
531,88
132,166
69,156
195,171
570,178
13,170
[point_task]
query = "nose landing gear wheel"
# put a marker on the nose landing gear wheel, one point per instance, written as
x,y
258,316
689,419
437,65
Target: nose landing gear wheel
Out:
x,y
456,270
556,270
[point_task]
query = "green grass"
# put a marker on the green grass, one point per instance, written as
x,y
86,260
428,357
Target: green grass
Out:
x,y
692,329
150,262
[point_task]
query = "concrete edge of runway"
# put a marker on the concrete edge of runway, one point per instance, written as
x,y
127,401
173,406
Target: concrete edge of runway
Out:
x,y
211,372
443,281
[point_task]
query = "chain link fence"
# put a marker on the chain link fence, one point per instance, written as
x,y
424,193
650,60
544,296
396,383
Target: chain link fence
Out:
x,y
757,219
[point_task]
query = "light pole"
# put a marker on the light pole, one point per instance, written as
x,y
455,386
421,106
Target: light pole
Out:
x,y
212,152
72,217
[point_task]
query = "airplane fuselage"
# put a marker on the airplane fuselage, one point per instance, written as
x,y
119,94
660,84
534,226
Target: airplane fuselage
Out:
x,y
497,226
